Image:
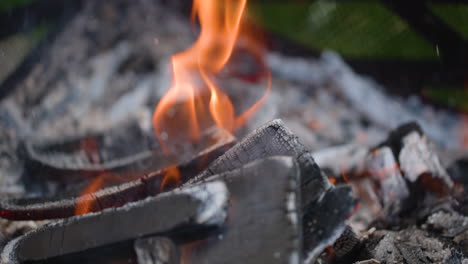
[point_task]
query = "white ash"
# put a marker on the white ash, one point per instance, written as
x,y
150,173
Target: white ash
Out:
x,y
367,97
418,157
348,157
383,168
214,196
450,223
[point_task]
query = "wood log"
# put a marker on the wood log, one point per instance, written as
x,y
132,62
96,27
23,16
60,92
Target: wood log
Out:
x,y
272,139
263,223
191,206
317,193
118,195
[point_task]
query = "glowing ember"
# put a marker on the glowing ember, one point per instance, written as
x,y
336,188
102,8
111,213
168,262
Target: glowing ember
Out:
x,y
171,178
87,199
194,102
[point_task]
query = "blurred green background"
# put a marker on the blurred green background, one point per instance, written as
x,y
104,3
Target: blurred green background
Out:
x,y
372,37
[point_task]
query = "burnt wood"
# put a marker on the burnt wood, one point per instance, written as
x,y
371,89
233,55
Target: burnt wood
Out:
x,y
272,139
325,220
118,195
320,201
264,222
191,206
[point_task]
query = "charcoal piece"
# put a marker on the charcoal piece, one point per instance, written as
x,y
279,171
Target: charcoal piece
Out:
x,y
263,223
450,224
419,162
197,205
345,244
386,250
156,250
113,196
462,241
410,245
272,139
384,170
412,254
324,221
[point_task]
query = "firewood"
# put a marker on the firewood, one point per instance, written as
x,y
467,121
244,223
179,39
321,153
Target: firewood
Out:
x,y
191,206
263,223
118,195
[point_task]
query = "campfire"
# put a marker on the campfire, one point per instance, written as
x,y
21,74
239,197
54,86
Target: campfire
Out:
x,y
137,138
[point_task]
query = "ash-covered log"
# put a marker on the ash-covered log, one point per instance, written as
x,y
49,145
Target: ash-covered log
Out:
x,y
118,195
192,206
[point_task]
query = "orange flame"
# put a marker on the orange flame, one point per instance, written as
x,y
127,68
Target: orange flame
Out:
x,y
195,102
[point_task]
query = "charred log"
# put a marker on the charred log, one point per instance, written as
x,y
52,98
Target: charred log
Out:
x,y
113,196
263,223
196,205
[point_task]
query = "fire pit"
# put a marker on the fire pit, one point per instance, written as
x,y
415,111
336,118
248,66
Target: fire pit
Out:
x,y
135,138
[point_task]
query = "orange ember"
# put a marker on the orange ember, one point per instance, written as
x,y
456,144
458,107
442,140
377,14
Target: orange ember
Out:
x,y
171,178
195,102
86,197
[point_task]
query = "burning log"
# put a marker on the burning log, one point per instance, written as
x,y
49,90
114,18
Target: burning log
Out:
x,y
144,186
272,139
156,250
203,205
